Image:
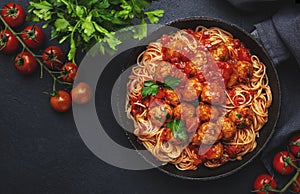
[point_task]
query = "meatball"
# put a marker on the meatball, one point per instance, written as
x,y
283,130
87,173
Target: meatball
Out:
x,y
207,112
191,124
228,128
213,93
215,152
208,133
192,89
200,58
159,112
171,97
162,70
221,53
190,68
184,111
242,117
244,70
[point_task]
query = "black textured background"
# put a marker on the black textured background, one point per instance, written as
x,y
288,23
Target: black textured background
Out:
x,y
42,152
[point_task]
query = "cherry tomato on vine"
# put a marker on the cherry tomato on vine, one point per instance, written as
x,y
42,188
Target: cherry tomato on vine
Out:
x,y
13,14
61,101
25,63
281,162
69,71
81,93
8,42
33,36
296,185
263,183
53,57
294,145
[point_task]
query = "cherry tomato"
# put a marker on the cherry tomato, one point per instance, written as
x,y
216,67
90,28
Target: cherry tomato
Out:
x,y
296,185
294,145
33,36
61,101
69,71
281,162
53,57
25,63
81,93
13,14
263,183
8,42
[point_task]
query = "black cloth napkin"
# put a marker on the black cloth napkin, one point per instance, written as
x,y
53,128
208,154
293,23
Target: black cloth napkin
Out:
x,y
280,35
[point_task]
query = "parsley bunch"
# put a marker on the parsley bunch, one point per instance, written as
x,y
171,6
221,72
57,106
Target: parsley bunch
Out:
x,y
83,23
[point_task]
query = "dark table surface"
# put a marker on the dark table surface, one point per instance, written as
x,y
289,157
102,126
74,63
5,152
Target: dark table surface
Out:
x,y
42,152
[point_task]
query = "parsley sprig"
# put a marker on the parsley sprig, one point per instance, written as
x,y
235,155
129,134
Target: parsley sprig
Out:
x,y
178,128
151,88
83,23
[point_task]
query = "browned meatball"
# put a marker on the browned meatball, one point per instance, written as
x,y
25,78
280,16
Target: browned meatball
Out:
x,y
171,97
192,89
159,112
191,124
220,53
215,152
162,70
200,58
242,117
228,128
208,133
213,93
244,70
184,111
207,112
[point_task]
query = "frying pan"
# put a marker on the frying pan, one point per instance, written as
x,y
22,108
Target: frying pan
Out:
x,y
204,173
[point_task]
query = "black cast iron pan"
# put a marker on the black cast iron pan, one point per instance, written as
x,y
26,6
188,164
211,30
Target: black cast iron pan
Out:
x,y
203,173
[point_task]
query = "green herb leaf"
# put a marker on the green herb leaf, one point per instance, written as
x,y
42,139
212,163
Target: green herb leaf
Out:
x,y
239,116
171,82
150,88
178,128
61,25
154,15
83,23
141,31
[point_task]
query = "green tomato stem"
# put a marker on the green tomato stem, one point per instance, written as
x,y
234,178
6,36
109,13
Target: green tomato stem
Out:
x,y
43,66
290,182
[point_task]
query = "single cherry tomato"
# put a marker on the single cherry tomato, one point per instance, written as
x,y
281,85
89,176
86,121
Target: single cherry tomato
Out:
x,y
294,145
33,36
296,185
25,63
61,101
13,14
8,42
281,162
53,57
82,93
263,183
69,71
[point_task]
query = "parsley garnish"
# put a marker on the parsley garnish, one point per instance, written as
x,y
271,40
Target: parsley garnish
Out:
x,y
171,82
150,88
239,116
83,23
178,128
242,125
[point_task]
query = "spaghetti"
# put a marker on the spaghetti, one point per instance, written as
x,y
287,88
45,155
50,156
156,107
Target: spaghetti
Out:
x,y
198,97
